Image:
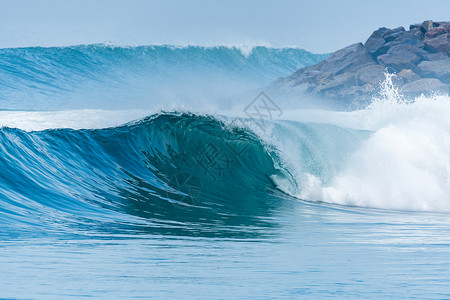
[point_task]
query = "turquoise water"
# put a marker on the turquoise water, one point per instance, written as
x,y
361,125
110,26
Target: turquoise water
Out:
x,y
186,203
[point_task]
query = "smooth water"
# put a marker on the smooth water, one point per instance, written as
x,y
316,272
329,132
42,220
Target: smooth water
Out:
x,y
193,203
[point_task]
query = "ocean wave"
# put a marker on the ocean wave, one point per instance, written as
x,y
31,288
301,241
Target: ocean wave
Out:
x,y
184,173
189,173
168,172
118,77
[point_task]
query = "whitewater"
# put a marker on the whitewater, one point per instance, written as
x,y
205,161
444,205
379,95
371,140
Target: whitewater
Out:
x,y
144,165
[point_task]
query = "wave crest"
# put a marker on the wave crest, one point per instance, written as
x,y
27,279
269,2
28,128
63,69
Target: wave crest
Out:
x,y
164,173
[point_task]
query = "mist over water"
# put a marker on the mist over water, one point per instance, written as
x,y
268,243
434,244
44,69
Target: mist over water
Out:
x,y
143,77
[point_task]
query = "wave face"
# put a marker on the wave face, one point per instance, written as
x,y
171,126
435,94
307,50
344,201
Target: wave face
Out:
x,y
169,173
111,77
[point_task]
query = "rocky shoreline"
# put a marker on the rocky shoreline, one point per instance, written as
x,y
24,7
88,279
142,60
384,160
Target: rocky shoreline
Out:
x,y
419,57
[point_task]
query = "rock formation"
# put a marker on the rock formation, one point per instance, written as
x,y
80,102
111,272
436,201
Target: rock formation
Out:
x,y
419,57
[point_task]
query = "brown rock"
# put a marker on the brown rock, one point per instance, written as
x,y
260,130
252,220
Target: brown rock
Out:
x,y
440,43
407,75
434,32
426,25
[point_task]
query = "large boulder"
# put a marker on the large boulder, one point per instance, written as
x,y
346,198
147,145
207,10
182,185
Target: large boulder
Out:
x,y
399,59
434,32
439,43
344,60
435,56
435,69
370,74
426,26
337,71
406,76
380,40
424,86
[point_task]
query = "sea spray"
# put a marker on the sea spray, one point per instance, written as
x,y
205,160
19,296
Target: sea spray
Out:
x,y
403,165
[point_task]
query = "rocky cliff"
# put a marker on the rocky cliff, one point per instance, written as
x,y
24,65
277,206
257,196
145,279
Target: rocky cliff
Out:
x,y
419,57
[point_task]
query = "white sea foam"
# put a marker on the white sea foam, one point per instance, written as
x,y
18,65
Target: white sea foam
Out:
x,y
74,119
404,164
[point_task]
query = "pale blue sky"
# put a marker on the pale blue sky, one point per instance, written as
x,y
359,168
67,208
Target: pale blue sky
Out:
x,y
318,26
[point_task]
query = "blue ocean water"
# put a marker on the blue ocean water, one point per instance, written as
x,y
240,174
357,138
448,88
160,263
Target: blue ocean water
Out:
x,y
139,172
154,77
